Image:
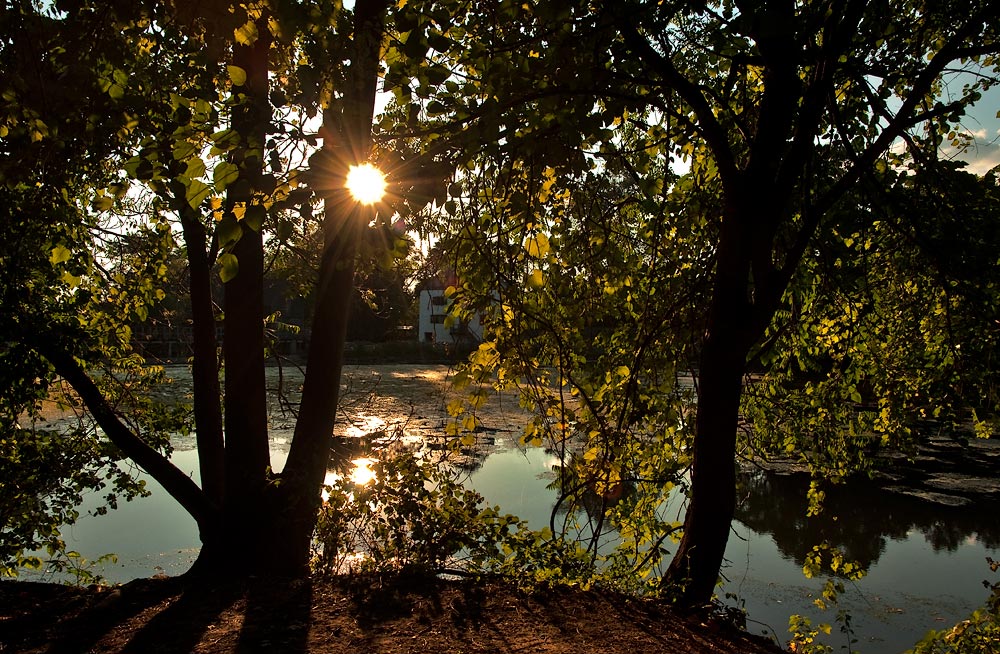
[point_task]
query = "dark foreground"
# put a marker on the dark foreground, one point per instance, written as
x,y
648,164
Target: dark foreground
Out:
x,y
341,616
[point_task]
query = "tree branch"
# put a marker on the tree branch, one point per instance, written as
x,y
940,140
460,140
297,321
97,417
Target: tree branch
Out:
x,y
181,487
709,126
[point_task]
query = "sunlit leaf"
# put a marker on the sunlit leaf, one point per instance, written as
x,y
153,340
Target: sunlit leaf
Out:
x,y
225,173
229,267
197,191
60,254
237,74
246,34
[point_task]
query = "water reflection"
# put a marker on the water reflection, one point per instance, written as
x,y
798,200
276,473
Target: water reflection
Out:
x,y
362,473
859,518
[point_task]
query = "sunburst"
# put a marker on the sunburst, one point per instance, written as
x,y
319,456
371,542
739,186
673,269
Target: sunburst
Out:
x,y
366,183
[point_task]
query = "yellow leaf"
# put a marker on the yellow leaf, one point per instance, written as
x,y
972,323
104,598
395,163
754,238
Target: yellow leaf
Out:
x,y
455,408
60,254
247,34
237,74
537,245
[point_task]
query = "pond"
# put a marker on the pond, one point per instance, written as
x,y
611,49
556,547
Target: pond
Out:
x,y
926,561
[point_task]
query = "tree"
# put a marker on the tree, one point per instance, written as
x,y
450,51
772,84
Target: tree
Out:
x,y
781,109
193,87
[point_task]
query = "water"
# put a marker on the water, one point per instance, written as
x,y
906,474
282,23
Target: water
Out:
x,y
925,565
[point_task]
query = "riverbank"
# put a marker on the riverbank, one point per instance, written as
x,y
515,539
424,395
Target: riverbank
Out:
x,y
390,616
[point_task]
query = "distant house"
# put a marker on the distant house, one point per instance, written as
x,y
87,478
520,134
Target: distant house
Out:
x,y
433,313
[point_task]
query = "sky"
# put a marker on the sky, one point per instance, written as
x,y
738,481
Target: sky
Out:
x,y
982,122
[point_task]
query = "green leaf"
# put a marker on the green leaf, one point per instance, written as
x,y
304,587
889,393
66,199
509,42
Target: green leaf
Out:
x,y
254,216
103,203
224,175
229,267
195,168
197,191
237,74
184,149
60,254
228,231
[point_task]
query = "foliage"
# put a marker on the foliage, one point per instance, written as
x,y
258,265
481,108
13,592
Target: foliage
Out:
x,y
653,199
979,634
411,516
414,515
593,329
785,116
806,637
55,289
879,341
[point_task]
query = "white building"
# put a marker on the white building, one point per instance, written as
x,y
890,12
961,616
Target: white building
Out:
x,y
434,311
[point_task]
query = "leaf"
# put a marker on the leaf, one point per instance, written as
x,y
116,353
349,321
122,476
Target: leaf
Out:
x,y
229,267
184,149
197,191
225,174
60,253
228,231
103,203
455,408
246,34
537,245
237,74
254,216
195,168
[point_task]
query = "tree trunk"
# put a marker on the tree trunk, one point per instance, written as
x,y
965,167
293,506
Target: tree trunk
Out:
x,y
695,566
347,141
694,569
205,362
236,545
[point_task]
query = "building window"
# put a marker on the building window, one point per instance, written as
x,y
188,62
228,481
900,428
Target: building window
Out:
x,y
437,319
439,300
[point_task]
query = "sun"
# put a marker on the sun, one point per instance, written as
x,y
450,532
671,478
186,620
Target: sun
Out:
x,y
366,183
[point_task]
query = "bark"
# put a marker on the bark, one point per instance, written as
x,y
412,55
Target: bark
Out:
x,y
247,455
204,364
236,544
348,141
694,569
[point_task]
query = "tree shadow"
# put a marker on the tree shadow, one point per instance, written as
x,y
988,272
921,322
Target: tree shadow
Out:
x,y
278,616
82,632
377,599
180,626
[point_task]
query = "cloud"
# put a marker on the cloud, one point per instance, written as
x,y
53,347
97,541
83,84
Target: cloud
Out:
x,y
980,156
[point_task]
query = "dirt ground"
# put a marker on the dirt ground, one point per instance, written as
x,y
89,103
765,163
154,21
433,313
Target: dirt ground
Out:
x,y
393,616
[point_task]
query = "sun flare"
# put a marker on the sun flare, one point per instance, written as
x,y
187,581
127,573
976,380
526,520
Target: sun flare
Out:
x,y
362,473
366,183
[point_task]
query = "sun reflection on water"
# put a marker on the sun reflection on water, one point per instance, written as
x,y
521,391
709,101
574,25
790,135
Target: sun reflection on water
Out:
x,y
362,473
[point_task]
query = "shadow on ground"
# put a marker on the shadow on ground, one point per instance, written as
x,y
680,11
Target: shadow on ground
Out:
x,y
378,615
